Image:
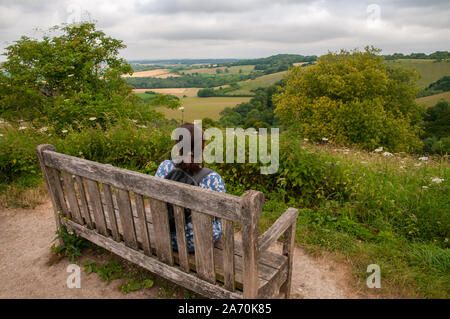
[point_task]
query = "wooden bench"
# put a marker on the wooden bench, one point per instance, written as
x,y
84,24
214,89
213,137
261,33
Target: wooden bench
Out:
x,y
125,212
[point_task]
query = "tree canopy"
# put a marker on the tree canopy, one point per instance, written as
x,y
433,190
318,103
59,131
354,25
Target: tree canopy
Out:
x,y
353,98
71,73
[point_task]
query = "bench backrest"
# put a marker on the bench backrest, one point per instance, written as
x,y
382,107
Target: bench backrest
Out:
x,y
131,207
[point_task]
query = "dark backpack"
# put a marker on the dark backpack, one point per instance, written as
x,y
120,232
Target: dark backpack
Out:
x,y
178,175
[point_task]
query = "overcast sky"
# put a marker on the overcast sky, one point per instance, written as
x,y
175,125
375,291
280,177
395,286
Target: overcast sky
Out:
x,y
162,29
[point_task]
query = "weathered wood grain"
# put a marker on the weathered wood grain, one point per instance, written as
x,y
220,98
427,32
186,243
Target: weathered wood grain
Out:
x,y
57,207
180,226
126,218
203,245
56,182
144,233
84,203
228,253
110,212
72,197
272,287
277,229
198,199
161,229
251,208
97,207
288,250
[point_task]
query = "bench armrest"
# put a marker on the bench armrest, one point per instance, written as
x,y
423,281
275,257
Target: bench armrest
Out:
x,y
275,231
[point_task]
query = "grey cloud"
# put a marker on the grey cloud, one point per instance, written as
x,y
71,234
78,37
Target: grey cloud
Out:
x,y
242,28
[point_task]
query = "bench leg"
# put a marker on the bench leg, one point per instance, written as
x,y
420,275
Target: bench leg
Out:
x,y
288,250
50,187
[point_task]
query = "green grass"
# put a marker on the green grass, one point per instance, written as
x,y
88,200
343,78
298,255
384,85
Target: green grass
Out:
x,y
429,70
382,222
433,99
196,108
261,81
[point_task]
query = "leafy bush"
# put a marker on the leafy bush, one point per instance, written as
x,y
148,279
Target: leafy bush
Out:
x,y
352,98
18,152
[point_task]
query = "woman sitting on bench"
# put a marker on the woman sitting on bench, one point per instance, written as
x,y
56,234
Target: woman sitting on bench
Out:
x,y
193,174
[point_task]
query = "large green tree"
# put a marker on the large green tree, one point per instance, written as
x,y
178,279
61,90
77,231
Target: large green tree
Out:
x,y
353,98
72,72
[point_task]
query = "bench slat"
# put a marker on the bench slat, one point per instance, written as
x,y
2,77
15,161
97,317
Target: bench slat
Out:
x,y
54,178
72,197
84,203
140,207
180,226
198,199
228,253
97,208
126,218
203,244
110,211
160,219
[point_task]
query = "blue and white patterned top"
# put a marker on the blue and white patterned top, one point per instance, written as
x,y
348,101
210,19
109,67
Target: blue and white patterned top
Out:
x,y
212,181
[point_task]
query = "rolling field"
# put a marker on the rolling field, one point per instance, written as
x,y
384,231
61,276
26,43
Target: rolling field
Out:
x,y
196,108
262,81
429,70
232,70
159,74
179,92
433,99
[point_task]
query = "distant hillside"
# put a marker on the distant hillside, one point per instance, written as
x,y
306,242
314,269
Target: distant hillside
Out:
x,y
183,61
430,70
433,99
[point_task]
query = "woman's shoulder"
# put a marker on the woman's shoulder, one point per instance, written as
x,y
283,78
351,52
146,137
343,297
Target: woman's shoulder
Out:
x,y
164,168
214,182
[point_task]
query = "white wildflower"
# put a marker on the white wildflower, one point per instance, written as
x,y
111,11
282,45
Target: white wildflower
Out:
x,y
1,135
64,131
437,180
423,158
387,154
306,139
22,128
134,121
70,75
425,187
43,129
92,118
324,139
378,150
181,108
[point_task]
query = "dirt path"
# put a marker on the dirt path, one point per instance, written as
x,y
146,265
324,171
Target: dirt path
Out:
x,y
28,270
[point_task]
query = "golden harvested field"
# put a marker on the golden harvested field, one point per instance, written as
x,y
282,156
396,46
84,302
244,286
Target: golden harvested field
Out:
x,y
433,99
179,92
159,74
